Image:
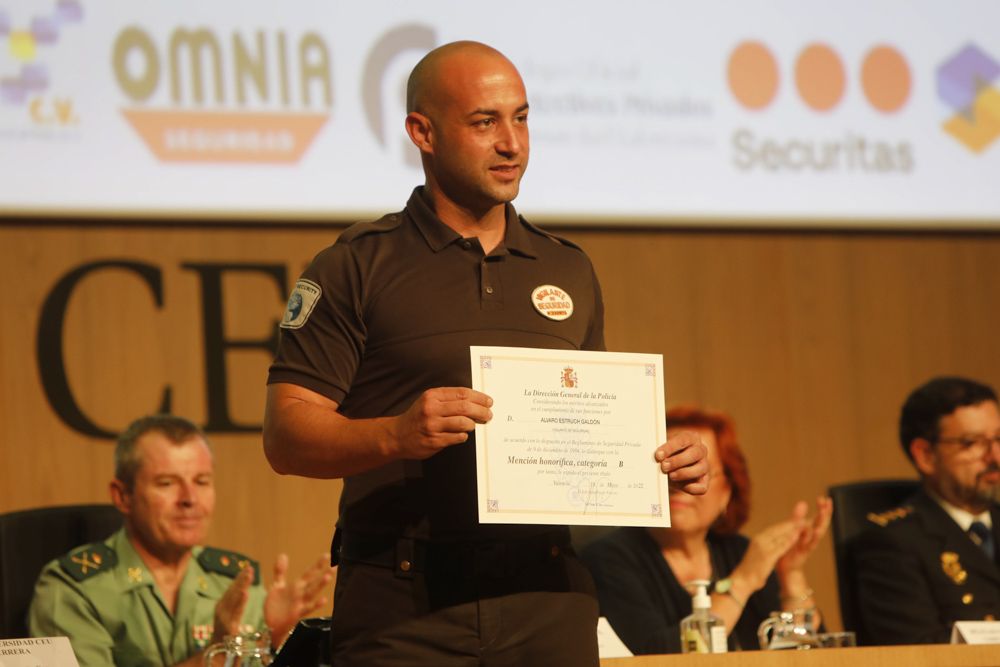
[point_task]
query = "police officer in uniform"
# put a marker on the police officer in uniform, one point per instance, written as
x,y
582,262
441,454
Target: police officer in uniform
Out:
x,y
934,561
149,594
371,384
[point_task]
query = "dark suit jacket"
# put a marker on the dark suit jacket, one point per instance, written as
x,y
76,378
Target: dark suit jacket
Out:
x,y
918,573
644,602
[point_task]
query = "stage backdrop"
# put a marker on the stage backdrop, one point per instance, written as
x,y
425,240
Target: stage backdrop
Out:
x,y
811,340
763,112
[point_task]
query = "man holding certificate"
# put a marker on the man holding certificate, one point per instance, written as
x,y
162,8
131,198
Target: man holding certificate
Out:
x,y
372,383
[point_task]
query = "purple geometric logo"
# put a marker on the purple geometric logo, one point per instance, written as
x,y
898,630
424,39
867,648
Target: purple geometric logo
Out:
x,y
964,83
25,44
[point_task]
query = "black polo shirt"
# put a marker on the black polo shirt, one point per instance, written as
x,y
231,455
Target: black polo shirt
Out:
x,y
395,305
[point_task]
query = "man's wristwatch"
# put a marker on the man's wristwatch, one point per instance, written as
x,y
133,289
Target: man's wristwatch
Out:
x,y
725,587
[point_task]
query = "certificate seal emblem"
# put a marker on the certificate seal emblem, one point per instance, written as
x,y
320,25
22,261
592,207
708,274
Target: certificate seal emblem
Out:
x,y
552,302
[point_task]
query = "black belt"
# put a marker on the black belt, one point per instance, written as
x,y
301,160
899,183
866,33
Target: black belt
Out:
x,y
407,556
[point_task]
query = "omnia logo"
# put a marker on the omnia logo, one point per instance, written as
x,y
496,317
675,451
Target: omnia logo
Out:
x,y
272,81
964,84
821,81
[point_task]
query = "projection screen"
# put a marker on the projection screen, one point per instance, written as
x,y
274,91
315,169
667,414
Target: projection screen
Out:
x,y
759,112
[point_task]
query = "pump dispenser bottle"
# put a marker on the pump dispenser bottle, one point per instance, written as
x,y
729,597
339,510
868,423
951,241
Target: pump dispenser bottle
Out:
x,y
702,631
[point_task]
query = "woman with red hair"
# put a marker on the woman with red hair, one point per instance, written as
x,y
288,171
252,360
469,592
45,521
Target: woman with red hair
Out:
x,y
640,572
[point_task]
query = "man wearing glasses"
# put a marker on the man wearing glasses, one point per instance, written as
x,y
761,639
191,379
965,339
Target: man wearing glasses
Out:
x,y
933,561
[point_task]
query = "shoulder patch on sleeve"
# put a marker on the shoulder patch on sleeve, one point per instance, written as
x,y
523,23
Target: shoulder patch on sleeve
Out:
x,y
883,519
228,563
301,303
86,561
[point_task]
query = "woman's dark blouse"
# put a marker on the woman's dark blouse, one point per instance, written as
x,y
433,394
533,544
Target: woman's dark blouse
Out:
x,y
644,602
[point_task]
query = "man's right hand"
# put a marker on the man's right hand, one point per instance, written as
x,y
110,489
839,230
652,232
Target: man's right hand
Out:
x,y
439,418
229,608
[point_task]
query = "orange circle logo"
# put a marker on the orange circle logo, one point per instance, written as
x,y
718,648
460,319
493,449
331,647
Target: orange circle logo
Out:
x,y
885,78
820,77
753,75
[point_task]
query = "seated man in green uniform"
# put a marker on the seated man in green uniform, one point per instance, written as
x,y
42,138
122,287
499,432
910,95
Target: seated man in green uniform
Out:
x,y
149,594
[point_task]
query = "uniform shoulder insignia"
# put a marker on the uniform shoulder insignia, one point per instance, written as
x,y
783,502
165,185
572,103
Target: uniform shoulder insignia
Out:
x,y
883,519
86,561
552,237
228,563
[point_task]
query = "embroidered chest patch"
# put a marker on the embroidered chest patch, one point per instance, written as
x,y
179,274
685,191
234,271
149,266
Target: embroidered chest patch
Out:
x,y
552,302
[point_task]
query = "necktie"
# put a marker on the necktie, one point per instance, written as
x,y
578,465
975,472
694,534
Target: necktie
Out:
x,y
982,536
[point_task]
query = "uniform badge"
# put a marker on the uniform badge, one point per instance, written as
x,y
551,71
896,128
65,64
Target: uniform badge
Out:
x,y
953,568
86,561
201,634
552,302
300,304
135,575
228,563
883,519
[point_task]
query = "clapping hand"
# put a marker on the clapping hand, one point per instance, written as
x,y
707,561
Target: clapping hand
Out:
x,y
229,608
812,531
287,602
766,548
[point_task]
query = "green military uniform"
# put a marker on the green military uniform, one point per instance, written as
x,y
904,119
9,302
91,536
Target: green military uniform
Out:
x,y
104,599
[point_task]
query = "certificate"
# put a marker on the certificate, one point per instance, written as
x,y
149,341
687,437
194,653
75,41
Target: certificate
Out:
x,y
572,437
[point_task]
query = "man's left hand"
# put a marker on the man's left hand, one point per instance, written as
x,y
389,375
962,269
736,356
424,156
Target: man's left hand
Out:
x,y
682,459
287,602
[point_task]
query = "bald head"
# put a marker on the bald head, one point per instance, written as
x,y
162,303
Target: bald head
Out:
x,y
425,83
468,116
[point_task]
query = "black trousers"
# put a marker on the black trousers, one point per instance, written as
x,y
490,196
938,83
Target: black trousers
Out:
x,y
495,605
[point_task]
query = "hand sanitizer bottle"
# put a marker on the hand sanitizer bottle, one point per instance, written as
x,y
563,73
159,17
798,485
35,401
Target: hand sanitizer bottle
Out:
x,y
702,631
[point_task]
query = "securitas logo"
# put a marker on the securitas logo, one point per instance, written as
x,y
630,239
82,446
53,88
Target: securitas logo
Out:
x,y
964,84
821,82
233,98
28,83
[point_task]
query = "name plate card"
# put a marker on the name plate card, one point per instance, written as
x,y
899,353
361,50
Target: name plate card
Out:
x,y
37,652
975,632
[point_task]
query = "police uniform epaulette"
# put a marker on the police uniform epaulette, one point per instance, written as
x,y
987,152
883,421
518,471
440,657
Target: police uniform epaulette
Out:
x,y
550,236
226,562
883,519
386,223
86,561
